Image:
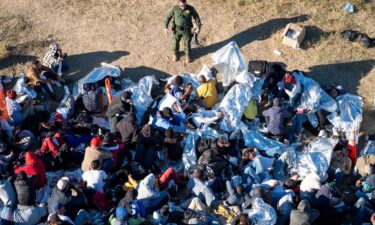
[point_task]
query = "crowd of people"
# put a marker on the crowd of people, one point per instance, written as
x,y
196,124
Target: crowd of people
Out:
x,y
124,169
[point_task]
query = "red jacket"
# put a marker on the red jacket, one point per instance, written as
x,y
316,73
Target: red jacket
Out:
x,y
34,166
52,144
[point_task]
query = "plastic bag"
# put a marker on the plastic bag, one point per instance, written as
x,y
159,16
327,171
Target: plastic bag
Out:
x,y
261,213
229,61
96,75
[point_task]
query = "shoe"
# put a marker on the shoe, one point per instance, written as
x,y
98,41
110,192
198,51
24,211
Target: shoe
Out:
x,y
175,57
187,60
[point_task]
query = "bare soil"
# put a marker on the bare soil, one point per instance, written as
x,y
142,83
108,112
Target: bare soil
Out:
x,y
130,33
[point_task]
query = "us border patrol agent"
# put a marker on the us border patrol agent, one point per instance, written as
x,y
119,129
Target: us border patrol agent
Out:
x,y
182,24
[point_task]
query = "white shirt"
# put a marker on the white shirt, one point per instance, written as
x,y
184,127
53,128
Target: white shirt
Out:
x,y
167,102
95,179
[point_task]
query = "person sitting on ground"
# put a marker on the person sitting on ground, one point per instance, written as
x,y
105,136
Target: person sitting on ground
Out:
x,y
34,167
304,214
119,107
275,117
128,129
93,152
172,143
170,101
54,58
269,87
340,165
35,76
292,88
236,194
25,189
113,144
59,214
207,92
251,111
197,117
19,114
95,178
92,99
180,90
256,165
166,119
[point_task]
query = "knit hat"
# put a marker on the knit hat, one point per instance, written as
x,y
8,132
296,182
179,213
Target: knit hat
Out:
x,y
121,213
62,184
95,142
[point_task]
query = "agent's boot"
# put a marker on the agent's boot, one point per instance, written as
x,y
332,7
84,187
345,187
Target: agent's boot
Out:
x,y
187,59
175,57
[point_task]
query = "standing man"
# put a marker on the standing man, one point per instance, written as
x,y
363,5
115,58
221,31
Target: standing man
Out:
x,y
182,15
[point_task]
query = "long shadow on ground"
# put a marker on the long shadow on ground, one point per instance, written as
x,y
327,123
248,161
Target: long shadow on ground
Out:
x,y
82,64
256,33
342,73
15,59
136,73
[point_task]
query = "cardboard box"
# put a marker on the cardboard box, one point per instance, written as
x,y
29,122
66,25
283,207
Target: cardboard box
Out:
x,y
293,35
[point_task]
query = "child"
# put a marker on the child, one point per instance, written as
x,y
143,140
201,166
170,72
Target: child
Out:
x,y
95,178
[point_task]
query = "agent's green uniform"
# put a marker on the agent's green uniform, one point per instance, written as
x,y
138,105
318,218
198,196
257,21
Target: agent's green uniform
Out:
x,y
184,23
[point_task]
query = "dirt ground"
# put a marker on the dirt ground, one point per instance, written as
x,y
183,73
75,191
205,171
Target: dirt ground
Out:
x,y
130,33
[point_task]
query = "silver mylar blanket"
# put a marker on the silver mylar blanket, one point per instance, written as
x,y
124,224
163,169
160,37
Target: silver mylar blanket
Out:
x,y
94,76
142,95
229,62
349,116
316,158
314,97
261,213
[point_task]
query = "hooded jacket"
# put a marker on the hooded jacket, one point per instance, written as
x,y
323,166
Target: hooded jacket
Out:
x,y
34,167
303,214
276,116
25,191
93,153
128,128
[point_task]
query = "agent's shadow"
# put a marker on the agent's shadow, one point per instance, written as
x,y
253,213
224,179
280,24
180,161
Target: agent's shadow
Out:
x,y
346,74
259,32
82,64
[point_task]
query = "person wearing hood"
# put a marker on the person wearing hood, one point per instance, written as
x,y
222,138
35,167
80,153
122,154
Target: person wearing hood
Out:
x,y
25,213
118,108
149,194
92,99
34,167
93,152
66,194
275,117
121,217
304,214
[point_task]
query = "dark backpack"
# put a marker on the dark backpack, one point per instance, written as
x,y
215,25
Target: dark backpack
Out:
x,y
258,67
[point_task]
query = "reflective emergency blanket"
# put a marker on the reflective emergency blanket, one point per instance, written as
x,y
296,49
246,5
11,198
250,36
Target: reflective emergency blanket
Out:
x,y
94,76
261,213
316,158
142,95
22,89
349,117
235,102
314,97
255,139
229,62
189,156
